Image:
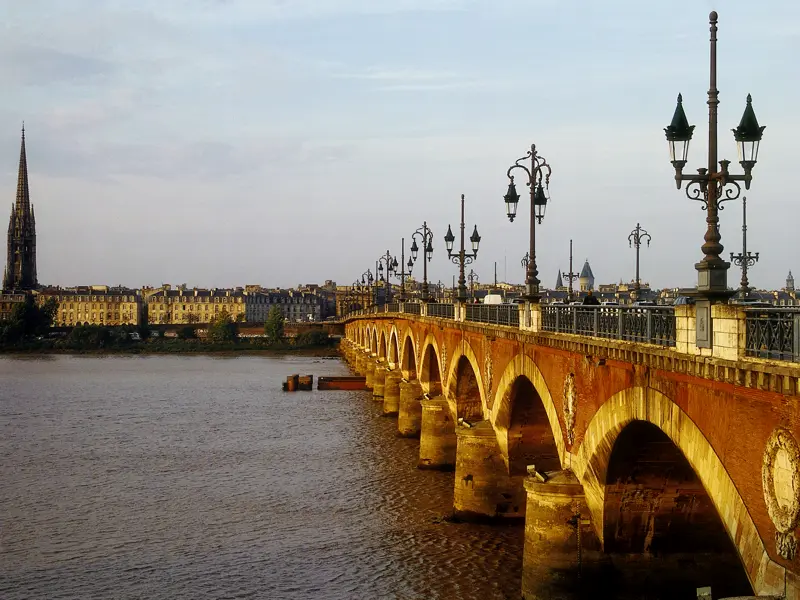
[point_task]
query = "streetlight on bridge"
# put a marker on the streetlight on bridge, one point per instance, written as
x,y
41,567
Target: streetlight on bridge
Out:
x,y
539,170
635,240
426,239
462,257
391,267
744,259
708,184
366,285
403,265
571,276
472,277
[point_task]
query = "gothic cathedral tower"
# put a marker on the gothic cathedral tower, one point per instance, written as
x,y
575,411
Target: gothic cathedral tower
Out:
x,y
20,271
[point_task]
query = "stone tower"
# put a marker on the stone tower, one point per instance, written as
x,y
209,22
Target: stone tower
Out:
x,y
790,282
559,282
20,271
586,278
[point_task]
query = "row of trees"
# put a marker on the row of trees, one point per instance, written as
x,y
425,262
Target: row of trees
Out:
x,y
29,321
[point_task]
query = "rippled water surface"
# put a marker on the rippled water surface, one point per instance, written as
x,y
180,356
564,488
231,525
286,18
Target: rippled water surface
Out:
x,y
196,477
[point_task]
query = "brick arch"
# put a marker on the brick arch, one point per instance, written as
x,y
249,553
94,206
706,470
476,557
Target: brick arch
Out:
x,y
522,366
382,345
393,355
408,355
430,371
373,342
591,463
465,351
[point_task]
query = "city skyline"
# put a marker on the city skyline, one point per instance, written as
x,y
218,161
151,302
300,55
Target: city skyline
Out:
x,y
225,151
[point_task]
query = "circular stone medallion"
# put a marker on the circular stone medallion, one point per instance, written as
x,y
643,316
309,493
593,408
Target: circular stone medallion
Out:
x,y
780,476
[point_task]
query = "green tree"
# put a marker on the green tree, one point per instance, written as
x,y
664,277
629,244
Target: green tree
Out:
x,y
187,333
273,326
29,319
313,338
89,337
222,328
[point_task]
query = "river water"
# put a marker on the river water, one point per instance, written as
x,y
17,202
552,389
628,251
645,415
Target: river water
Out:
x,y
196,477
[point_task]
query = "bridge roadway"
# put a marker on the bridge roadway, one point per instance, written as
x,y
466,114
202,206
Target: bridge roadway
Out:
x,y
610,449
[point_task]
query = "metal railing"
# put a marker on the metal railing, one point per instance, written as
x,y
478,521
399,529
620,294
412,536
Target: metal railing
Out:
x,y
773,333
499,314
443,311
412,308
391,307
647,324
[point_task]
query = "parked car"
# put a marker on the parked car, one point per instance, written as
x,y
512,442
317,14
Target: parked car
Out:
x,y
644,303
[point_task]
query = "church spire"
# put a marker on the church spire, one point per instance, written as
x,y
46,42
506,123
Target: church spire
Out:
x,y
23,196
20,271
559,282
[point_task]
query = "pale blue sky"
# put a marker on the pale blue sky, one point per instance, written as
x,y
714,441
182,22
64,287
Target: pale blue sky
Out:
x,y
227,142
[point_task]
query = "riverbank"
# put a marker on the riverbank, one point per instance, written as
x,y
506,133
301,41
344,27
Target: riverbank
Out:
x,y
174,346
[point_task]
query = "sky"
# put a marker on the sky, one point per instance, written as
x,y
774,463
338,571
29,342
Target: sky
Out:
x,y
281,142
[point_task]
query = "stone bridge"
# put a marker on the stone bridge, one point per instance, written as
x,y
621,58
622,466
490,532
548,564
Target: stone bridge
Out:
x,y
618,454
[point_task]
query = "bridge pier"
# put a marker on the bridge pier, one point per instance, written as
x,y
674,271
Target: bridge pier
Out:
x,y
409,417
360,362
437,442
379,381
483,488
551,560
391,393
369,370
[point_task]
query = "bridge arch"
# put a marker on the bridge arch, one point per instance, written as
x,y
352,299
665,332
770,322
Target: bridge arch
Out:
x,y
408,355
373,344
643,415
393,356
526,420
465,389
382,345
430,372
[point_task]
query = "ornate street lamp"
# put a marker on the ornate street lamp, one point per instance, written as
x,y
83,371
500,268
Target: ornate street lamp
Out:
x,y
426,239
538,172
402,274
462,257
708,185
472,278
571,276
635,239
744,259
391,267
366,285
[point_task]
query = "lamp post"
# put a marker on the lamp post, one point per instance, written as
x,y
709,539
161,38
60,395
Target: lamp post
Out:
x,y
539,170
366,285
744,259
426,239
635,240
462,257
571,276
391,267
403,265
708,185
472,277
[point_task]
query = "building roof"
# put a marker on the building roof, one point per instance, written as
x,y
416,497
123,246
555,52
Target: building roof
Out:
x,y
586,271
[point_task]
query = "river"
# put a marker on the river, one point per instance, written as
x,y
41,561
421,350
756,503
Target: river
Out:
x,y
194,477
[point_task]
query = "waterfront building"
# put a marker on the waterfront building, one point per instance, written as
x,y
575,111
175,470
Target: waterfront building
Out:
x,y
7,303
93,305
20,272
295,306
165,305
